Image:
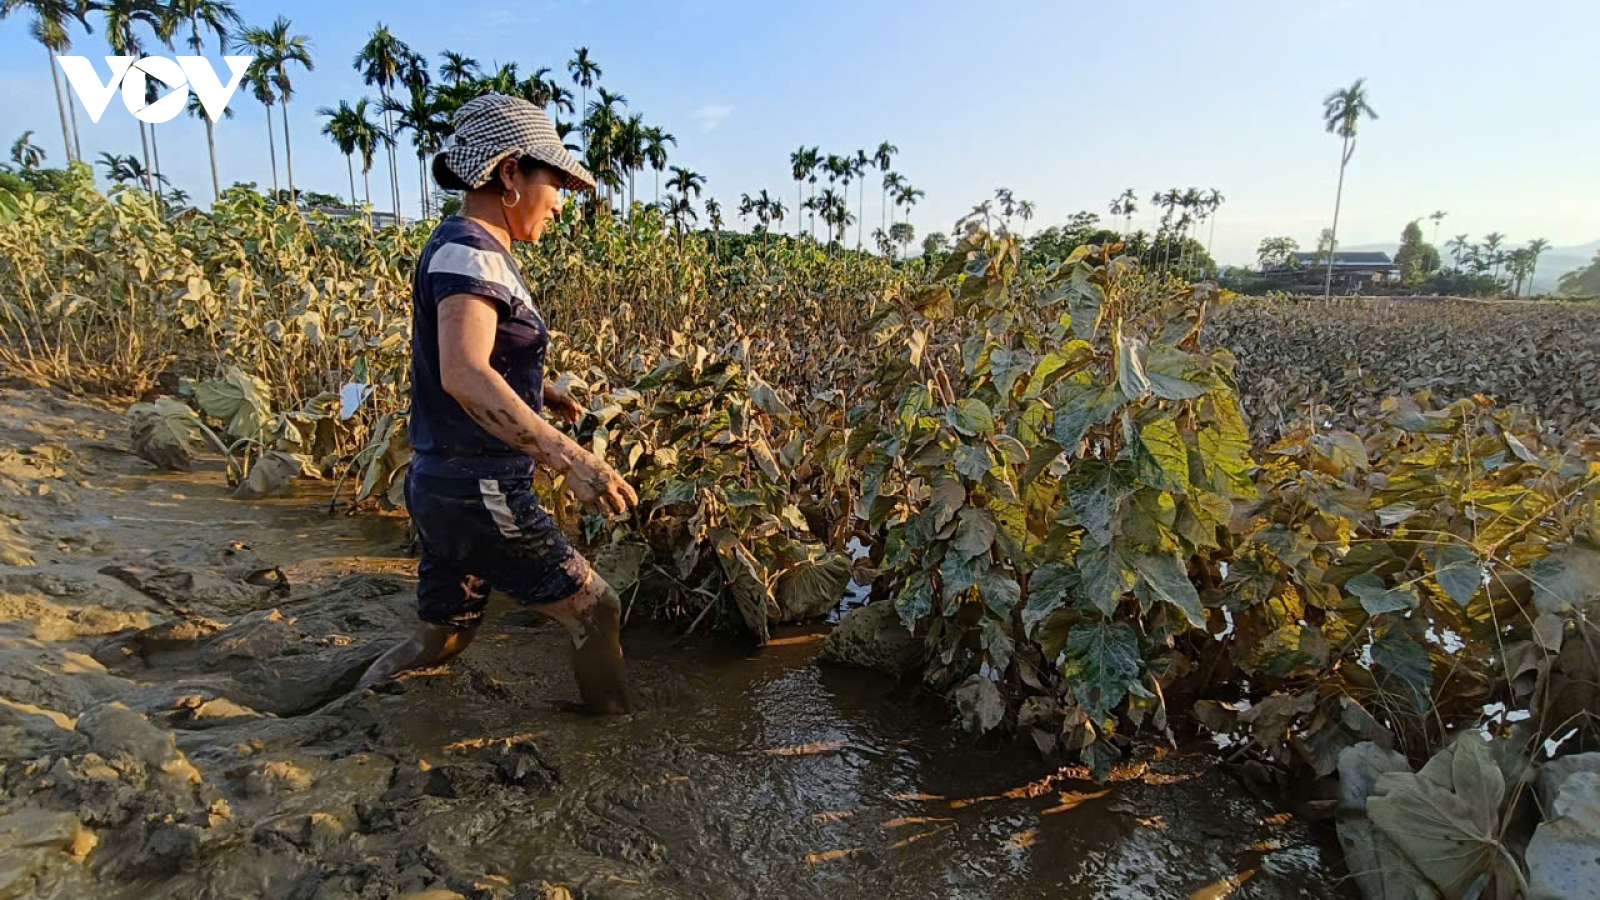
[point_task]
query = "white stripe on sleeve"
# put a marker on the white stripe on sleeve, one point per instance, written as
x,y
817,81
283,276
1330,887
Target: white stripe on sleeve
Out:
x,y
484,265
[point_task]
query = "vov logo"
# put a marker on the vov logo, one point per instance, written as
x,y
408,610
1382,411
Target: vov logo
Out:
x,y
186,74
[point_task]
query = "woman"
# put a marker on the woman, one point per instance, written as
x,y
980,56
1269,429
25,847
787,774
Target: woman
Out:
x,y
477,391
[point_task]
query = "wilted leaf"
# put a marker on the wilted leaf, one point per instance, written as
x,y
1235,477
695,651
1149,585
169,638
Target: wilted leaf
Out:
x,y
1175,374
619,563
1163,459
1131,377
1446,818
273,472
979,704
747,583
166,433
810,588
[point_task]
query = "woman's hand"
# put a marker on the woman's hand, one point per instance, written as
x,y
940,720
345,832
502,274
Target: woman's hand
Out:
x,y
562,404
596,484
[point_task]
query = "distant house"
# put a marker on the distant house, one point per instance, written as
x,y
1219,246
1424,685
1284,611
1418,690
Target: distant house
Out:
x,y
380,220
1350,268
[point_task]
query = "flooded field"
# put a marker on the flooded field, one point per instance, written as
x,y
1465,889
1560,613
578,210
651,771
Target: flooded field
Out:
x,y
175,721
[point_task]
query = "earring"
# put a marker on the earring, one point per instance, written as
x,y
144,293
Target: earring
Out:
x,y
516,193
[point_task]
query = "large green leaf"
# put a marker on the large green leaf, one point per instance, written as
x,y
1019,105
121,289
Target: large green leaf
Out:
x,y
1102,662
1175,374
947,499
1006,366
1403,663
957,575
241,400
1163,458
1104,575
975,533
1051,366
972,417
915,600
1167,580
1378,598
1095,490
1049,588
1082,405
1224,445
913,403
1000,592
1458,570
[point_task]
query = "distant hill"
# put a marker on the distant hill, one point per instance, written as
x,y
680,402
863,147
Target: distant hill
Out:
x,y
1553,263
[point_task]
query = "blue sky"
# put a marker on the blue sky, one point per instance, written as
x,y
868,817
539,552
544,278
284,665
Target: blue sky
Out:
x,y
1489,110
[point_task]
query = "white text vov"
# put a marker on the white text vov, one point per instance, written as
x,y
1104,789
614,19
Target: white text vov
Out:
x,y
186,74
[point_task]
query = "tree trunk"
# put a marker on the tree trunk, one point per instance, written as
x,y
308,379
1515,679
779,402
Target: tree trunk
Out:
x,y
350,169
799,207
72,113
61,106
1333,234
422,181
211,146
288,155
861,211
155,154
1212,237
272,153
1532,268
149,172
394,180
366,182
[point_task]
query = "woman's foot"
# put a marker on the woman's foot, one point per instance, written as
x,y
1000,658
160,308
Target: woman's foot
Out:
x,y
430,645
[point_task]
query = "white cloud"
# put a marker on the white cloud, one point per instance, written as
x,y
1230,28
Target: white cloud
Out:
x,y
710,116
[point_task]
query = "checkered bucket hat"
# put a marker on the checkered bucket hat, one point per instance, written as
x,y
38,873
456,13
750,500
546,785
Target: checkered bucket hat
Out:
x,y
489,128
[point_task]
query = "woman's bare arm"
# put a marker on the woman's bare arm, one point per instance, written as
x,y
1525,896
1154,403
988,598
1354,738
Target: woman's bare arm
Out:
x,y
467,326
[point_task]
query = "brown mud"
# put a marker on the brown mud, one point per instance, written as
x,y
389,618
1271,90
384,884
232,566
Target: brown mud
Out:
x,y
175,722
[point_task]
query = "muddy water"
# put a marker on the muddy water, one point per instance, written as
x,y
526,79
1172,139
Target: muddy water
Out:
x,y
743,775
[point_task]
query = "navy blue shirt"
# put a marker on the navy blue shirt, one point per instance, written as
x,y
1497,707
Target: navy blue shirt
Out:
x,y
462,257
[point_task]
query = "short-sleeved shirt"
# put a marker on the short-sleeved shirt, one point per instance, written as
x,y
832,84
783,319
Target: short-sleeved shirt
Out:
x,y
462,257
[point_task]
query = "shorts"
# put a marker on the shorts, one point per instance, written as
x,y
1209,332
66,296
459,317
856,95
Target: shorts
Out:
x,y
482,534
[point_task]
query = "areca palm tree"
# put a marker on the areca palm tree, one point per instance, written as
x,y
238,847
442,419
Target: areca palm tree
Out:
x,y
1213,202
420,114
25,153
1437,216
280,49
629,150
858,170
1342,112
1459,245
602,128
1130,205
585,72
655,152
1536,247
565,130
49,28
457,67
259,77
1491,251
368,136
803,164
892,183
908,197
380,61
120,18
216,17
341,129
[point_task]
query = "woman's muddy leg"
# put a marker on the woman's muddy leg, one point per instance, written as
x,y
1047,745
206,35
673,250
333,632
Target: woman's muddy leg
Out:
x,y
593,617
430,645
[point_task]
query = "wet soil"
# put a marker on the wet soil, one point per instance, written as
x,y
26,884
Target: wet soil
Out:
x,y
175,721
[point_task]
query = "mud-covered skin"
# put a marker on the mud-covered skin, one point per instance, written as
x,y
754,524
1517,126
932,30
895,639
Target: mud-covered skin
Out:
x,y
740,775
